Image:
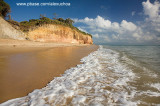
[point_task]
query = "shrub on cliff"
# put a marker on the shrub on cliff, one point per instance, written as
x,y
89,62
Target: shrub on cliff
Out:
x,y
4,8
45,20
25,26
69,21
61,19
14,22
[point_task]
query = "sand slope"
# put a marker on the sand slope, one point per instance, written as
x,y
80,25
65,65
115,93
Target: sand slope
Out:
x,y
7,31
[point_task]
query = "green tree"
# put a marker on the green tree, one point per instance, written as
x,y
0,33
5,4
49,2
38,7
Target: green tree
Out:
x,y
61,19
4,9
69,21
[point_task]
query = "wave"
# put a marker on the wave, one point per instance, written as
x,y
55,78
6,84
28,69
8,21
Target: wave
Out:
x,y
102,79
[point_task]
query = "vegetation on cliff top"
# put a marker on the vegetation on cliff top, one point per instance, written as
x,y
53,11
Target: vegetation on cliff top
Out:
x,y
25,26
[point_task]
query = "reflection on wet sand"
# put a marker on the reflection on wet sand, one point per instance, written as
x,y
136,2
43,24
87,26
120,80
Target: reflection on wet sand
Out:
x,y
21,73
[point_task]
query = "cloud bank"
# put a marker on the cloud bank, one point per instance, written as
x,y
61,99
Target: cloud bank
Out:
x,y
146,32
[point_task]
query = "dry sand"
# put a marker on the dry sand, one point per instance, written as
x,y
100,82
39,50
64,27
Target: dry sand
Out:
x,y
24,68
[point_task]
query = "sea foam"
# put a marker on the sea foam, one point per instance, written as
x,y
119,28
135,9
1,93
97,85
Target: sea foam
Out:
x,y
101,80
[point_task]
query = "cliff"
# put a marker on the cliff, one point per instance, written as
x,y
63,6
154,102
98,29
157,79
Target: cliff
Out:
x,y
53,31
58,33
7,31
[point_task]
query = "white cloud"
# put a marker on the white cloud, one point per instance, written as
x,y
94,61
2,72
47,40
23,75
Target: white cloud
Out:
x,y
101,22
152,10
148,37
115,36
128,25
96,35
136,35
148,31
82,29
107,39
98,22
115,26
152,21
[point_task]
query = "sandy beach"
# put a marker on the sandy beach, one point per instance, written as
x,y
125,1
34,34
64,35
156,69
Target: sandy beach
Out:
x,y
26,43
87,53
25,66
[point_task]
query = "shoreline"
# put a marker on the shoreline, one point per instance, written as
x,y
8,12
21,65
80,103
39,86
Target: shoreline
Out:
x,y
33,67
26,43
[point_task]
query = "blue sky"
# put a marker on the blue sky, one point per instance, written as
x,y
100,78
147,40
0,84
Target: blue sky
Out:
x,y
115,10
109,21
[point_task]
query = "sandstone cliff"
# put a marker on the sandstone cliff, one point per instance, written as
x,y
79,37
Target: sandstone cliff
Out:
x,y
7,31
45,33
58,33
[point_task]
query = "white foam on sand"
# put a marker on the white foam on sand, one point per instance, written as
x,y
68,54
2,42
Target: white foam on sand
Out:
x,y
101,80
156,85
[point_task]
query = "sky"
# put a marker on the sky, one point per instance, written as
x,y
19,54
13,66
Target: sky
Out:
x,y
115,22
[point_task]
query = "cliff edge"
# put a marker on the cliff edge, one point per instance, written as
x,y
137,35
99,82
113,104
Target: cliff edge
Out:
x,y
58,33
43,30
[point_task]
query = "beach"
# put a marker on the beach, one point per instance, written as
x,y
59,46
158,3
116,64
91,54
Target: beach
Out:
x,y
27,43
87,53
110,75
26,66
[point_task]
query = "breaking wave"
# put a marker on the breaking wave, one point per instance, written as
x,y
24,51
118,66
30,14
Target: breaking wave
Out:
x,y
102,79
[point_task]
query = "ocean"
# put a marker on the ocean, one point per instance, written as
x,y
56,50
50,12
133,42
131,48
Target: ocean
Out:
x,y
112,75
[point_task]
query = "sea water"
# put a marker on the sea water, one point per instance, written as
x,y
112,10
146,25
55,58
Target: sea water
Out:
x,y
112,75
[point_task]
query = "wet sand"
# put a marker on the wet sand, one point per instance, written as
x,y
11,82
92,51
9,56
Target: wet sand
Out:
x,y
26,43
24,69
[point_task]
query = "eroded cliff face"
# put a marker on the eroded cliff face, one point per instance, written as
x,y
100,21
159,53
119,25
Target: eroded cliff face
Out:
x,y
7,31
45,33
58,33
